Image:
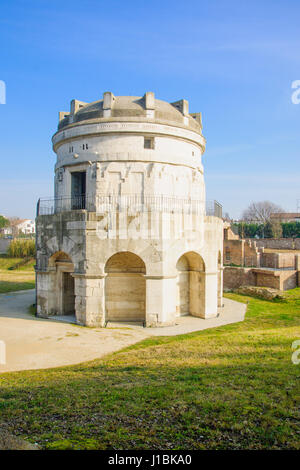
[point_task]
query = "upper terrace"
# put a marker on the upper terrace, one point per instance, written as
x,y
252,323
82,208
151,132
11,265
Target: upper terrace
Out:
x,y
129,202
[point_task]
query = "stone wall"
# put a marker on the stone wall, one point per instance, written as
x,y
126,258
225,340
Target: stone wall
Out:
x,y
278,279
234,252
268,279
235,277
229,233
278,260
251,254
286,260
282,280
241,253
4,244
289,280
72,241
279,243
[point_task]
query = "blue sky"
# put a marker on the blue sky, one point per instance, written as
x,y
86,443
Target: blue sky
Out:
x,y
234,61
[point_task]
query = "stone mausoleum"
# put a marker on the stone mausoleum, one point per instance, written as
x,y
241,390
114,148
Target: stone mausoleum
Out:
x,y
127,236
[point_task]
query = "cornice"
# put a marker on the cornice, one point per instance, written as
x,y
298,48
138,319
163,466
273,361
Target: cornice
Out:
x,y
130,128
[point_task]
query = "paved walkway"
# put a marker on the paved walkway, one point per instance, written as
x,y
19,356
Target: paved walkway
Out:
x,y
37,343
232,312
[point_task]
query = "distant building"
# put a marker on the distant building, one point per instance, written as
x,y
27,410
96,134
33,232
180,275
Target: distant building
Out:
x,y
24,226
285,217
27,226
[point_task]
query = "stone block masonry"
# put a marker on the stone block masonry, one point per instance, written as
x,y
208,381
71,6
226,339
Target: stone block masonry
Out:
x,y
126,237
279,243
235,277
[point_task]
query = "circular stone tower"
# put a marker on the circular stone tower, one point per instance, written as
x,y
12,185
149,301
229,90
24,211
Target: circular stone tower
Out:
x,y
126,237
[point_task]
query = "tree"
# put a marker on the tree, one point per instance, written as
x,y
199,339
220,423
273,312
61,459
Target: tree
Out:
x,y
276,229
251,230
3,222
291,229
13,222
273,229
260,211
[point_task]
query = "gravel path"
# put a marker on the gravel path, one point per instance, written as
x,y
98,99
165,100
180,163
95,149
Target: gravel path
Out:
x,y
36,343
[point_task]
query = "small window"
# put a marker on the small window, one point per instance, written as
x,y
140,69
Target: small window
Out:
x,y
193,153
227,254
86,146
149,143
83,146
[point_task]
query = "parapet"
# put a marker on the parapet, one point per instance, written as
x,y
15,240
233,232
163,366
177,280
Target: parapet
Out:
x,y
129,108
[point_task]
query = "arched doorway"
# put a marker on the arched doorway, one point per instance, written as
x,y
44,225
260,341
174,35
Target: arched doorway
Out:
x,y
190,285
125,288
63,283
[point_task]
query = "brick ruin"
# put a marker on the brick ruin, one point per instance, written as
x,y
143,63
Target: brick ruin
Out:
x,y
247,263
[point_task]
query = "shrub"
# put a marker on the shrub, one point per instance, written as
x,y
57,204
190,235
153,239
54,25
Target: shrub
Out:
x,y
22,249
291,229
3,222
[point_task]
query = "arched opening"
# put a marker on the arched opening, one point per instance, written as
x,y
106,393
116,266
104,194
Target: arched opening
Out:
x,y
190,285
63,283
59,256
125,288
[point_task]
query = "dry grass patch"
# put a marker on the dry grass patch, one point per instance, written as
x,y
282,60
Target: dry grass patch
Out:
x,y
15,275
14,281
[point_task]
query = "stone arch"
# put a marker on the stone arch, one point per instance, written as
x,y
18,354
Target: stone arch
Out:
x,y
59,256
62,283
125,288
190,285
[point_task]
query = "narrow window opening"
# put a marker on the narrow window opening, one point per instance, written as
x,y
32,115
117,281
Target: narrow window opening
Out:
x,y
149,143
227,254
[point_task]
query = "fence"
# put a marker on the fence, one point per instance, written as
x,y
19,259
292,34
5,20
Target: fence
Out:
x,y
129,202
214,208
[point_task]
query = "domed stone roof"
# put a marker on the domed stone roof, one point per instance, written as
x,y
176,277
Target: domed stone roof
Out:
x,y
131,108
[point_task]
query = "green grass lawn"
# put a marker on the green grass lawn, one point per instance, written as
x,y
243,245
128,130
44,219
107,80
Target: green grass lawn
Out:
x,y
232,387
10,286
21,278
7,263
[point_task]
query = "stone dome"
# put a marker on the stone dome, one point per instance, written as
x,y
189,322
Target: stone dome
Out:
x,y
131,108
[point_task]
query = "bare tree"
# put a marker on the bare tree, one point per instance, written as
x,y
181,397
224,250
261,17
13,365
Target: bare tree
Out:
x,y
260,211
